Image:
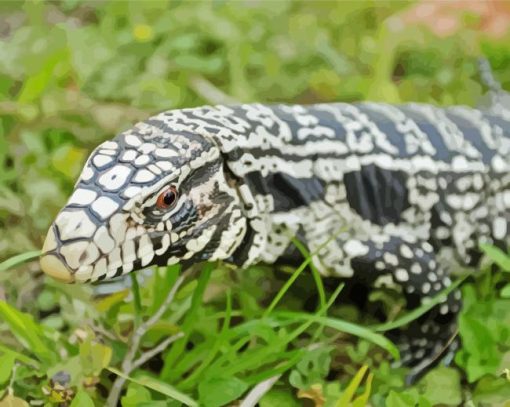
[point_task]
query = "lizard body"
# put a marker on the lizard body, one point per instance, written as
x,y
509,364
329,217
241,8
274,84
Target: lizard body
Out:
x,y
387,195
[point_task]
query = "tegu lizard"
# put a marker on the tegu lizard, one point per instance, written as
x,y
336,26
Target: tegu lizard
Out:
x,y
384,194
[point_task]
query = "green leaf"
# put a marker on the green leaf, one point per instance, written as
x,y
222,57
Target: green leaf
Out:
x,y
505,291
13,401
35,85
94,356
406,399
82,399
19,259
280,398
219,391
362,399
135,395
6,364
20,357
312,368
68,160
27,332
159,386
399,400
351,388
497,256
490,391
442,386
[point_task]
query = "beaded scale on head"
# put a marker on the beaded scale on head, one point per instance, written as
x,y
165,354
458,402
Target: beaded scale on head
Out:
x,y
394,196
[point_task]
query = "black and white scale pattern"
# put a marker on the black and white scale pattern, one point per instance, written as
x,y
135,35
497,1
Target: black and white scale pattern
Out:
x,y
391,195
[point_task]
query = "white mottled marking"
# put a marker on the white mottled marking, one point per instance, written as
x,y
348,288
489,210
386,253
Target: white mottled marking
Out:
x,y
143,176
107,152
144,245
83,273
72,253
87,173
147,148
499,164
82,197
100,160
74,224
104,206
390,258
355,248
165,244
129,155
115,177
165,165
130,192
432,276
166,153
154,168
114,260
92,253
401,274
132,141
499,226
142,160
406,252
103,240
127,268
147,259
110,145
443,309
118,227
415,268
99,269
128,251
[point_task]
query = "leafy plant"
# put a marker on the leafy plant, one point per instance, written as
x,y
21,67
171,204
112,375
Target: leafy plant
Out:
x,y
74,72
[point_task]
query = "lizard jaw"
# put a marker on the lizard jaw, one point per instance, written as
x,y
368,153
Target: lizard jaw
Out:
x,y
51,264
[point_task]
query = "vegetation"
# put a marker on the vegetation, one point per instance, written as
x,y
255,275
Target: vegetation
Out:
x,y
73,73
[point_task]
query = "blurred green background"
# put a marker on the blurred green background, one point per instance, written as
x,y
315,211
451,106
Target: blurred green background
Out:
x,y
73,73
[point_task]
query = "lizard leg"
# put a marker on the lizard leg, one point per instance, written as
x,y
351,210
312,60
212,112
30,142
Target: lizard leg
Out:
x,y
412,267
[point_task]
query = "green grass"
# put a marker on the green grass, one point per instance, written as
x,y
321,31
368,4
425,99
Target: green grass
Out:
x,y
73,73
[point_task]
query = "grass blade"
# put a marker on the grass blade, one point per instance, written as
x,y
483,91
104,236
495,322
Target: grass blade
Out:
x,y
159,386
315,273
216,346
498,256
27,332
196,302
137,299
19,259
353,385
346,327
20,357
418,312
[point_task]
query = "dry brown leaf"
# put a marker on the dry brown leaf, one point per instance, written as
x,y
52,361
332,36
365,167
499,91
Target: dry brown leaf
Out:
x,y
445,18
314,393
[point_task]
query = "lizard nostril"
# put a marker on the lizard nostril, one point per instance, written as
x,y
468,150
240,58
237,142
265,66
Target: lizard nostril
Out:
x,y
82,257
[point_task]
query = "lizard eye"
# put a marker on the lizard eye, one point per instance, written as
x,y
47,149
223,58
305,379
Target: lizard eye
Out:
x,y
167,198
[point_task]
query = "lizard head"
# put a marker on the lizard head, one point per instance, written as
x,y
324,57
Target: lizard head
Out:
x,y
154,195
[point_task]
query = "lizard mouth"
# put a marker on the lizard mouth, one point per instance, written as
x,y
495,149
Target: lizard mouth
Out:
x,y
94,255
51,264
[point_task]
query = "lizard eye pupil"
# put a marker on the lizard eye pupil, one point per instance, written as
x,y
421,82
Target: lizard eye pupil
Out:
x,y
167,198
